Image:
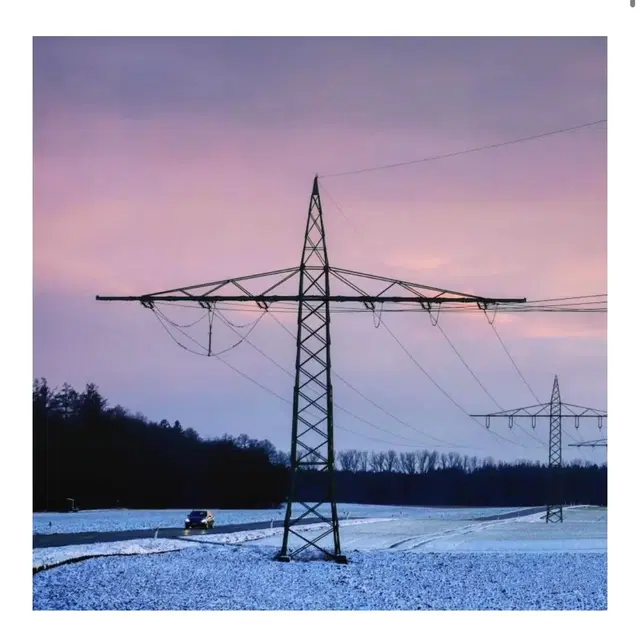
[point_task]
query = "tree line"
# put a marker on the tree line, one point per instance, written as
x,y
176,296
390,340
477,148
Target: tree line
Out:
x,y
430,477
105,457
409,462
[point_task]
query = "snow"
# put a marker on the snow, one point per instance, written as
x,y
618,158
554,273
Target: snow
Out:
x,y
583,530
404,562
240,537
137,519
207,577
49,556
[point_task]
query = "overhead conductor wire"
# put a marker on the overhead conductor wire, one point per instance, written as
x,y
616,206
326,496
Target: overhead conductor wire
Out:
x,y
164,319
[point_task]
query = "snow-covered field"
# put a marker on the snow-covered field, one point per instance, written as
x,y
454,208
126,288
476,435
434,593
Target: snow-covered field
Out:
x,y
412,561
583,530
135,519
247,578
51,556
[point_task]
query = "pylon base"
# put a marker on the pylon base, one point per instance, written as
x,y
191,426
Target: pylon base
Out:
x,y
283,558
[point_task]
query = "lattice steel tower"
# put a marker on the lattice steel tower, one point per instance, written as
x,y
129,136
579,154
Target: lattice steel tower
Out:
x,y
312,436
557,410
554,506
312,445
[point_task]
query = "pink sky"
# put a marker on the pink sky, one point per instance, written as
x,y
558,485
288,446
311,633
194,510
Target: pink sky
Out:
x,y
166,162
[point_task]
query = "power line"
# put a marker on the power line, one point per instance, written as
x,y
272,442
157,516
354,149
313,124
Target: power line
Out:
x,y
504,346
475,377
207,352
465,151
357,417
338,426
523,378
162,324
391,415
286,307
338,207
277,395
466,413
364,420
244,338
575,440
593,295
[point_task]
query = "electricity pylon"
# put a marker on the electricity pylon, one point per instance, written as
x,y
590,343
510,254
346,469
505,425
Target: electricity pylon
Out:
x,y
556,411
312,444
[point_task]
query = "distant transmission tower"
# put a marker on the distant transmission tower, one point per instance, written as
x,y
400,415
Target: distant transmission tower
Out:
x,y
312,444
555,410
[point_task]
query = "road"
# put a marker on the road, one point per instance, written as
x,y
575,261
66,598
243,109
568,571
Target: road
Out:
x,y
89,537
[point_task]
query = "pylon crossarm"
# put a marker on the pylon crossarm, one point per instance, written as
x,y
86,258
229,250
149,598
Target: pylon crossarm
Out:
x,y
417,288
522,412
582,412
218,284
602,442
211,292
150,298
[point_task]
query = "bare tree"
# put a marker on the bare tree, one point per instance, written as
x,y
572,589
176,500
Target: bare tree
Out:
x,y
409,462
390,461
377,461
423,461
281,458
348,460
434,461
455,460
362,461
470,463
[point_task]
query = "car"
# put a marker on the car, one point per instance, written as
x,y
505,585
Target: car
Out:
x,y
199,518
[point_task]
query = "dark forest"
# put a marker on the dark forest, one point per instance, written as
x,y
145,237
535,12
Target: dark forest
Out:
x,y
108,457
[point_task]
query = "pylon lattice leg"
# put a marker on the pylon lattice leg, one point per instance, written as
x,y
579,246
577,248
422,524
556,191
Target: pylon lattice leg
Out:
x,y
312,449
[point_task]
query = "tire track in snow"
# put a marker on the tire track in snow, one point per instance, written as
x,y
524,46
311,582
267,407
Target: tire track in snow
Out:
x,y
397,544
452,533
478,525
351,541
